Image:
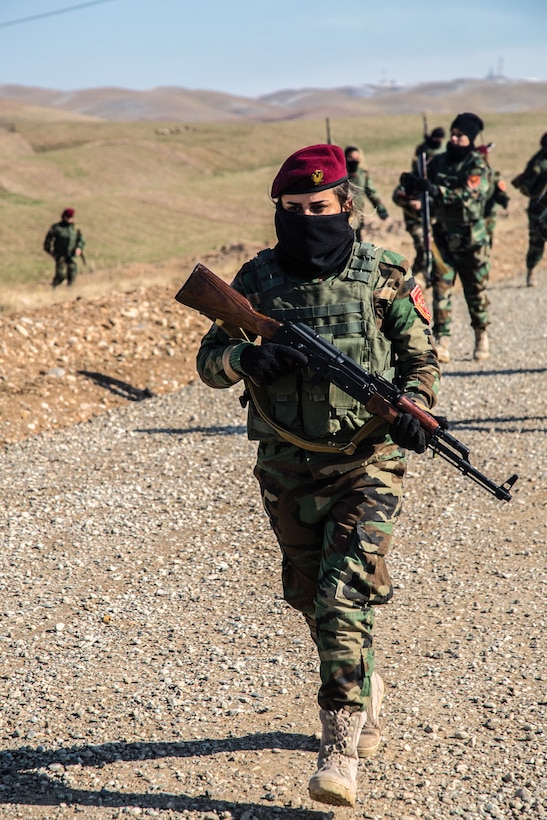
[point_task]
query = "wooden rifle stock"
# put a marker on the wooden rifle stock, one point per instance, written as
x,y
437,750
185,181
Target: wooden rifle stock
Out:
x,y
205,292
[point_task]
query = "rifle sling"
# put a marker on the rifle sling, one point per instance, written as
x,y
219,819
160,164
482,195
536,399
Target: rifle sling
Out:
x,y
259,398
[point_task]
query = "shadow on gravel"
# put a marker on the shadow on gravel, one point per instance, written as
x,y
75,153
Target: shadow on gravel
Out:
x,y
456,374
501,424
116,386
239,430
35,777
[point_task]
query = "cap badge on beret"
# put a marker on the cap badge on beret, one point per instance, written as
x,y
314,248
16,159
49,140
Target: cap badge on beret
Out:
x,y
317,177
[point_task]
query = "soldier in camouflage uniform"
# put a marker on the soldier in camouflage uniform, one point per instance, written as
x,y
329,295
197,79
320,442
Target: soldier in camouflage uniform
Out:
x,y
64,241
533,184
409,200
459,182
363,187
497,195
330,475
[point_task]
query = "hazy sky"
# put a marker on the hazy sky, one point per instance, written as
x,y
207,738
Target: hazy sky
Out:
x,y
253,47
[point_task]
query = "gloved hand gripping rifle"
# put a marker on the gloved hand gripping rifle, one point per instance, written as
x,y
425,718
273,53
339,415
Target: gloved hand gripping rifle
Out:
x,y
207,293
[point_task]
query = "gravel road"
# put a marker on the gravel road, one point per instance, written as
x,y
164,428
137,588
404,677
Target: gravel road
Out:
x,y
151,668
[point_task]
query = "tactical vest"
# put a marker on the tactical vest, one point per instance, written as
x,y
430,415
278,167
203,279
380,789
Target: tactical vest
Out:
x,y
455,175
340,309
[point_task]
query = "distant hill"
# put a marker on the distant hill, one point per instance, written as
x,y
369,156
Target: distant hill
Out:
x,y
175,104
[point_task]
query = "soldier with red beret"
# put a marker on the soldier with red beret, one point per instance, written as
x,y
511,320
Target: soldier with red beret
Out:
x,y
330,474
64,241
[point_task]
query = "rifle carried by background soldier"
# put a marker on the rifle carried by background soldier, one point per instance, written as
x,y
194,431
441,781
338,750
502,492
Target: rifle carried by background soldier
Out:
x,y
421,161
207,293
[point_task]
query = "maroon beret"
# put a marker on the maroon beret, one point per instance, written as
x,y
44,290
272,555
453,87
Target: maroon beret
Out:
x,y
68,213
314,168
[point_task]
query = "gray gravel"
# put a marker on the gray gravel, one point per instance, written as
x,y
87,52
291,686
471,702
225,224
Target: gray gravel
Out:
x,y
151,668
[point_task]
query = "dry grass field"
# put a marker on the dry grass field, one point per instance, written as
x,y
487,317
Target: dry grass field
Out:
x,y
145,198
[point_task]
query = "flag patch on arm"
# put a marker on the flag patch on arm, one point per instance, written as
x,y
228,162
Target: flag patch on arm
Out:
x,y
418,300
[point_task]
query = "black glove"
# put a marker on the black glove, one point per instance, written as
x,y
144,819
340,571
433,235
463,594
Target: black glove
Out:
x,y
407,432
501,198
266,363
426,186
382,212
442,421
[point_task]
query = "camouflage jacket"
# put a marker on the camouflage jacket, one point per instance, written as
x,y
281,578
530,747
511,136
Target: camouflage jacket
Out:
x,y
62,239
463,189
400,315
532,182
361,179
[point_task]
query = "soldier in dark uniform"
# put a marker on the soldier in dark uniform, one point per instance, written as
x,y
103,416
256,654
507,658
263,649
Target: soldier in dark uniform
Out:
x,y
330,474
409,200
364,186
533,184
64,241
459,182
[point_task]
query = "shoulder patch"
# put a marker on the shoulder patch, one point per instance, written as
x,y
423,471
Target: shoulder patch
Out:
x,y
417,299
473,181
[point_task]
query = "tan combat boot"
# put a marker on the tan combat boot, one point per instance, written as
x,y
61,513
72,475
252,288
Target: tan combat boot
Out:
x,y
482,350
371,733
530,278
442,346
335,781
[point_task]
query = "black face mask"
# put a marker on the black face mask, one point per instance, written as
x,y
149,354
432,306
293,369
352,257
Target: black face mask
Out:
x,y
433,143
352,165
312,246
456,153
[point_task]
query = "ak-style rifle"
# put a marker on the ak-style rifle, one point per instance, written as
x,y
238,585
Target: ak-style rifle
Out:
x,y
207,293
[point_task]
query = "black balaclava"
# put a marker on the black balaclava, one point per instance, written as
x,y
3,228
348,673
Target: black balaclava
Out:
x,y
469,124
310,247
435,139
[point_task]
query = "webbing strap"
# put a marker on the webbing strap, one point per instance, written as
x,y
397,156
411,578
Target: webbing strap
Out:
x,y
347,449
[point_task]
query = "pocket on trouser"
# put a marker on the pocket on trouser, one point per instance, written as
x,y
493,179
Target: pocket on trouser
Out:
x,y
366,580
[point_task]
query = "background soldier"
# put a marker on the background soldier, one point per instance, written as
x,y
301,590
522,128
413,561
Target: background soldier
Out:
x,y
364,187
408,198
330,474
459,183
497,194
64,241
533,184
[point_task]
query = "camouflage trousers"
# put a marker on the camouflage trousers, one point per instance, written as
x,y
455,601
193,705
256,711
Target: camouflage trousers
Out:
x,y
414,228
472,265
537,234
333,517
65,268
